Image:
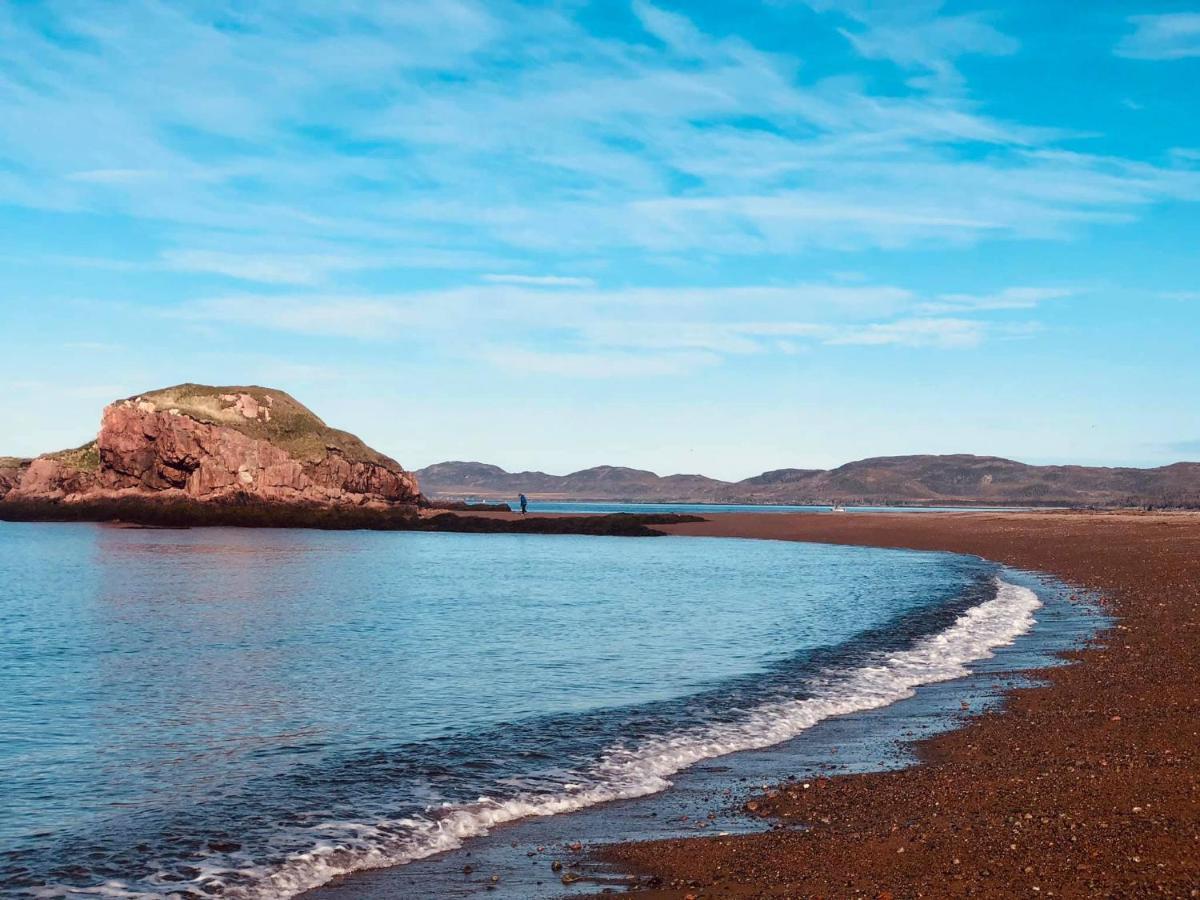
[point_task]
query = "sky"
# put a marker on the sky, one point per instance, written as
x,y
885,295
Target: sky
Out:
x,y
688,237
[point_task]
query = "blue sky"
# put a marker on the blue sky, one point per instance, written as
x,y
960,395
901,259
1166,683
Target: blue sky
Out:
x,y
716,237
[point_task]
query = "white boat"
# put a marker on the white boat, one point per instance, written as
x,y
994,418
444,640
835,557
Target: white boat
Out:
x,y
836,507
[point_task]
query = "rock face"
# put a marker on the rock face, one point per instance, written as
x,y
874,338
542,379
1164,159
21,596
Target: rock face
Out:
x,y
11,470
47,476
60,474
218,444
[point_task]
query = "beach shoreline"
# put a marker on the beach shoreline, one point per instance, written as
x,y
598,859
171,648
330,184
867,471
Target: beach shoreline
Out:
x,y
709,796
1087,785
1084,785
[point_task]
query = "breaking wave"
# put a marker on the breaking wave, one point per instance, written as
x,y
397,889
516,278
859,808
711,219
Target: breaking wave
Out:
x,y
630,770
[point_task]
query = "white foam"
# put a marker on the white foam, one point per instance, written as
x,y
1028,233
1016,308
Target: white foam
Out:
x,y
626,772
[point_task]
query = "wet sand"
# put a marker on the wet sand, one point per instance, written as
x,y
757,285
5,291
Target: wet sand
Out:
x,y
1086,786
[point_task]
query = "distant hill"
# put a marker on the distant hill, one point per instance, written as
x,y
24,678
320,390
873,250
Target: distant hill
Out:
x,y
958,479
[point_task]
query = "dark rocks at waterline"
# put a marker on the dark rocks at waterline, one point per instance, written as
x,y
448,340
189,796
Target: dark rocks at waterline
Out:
x,y
616,524
179,512
463,506
252,513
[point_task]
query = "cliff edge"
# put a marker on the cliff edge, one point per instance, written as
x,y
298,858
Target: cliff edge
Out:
x,y
207,444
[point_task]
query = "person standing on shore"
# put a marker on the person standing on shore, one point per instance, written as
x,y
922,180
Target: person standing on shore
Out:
x,y
524,504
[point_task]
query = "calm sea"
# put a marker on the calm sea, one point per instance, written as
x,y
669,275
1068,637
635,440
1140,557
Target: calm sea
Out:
x,y
250,713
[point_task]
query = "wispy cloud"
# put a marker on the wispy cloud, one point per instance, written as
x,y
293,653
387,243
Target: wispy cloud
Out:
x,y
308,268
314,266
553,281
941,333
113,176
91,346
1162,37
589,331
398,129
1008,298
470,192
919,36
384,316
363,317
597,364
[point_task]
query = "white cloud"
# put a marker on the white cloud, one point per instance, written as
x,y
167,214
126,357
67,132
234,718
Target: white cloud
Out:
x,y
540,280
724,338
92,346
269,269
1008,298
525,308
334,317
1162,37
942,333
512,133
919,36
673,29
589,364
114,176
312,267
591,332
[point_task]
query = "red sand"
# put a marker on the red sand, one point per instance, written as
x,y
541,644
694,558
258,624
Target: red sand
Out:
x,y
1086,787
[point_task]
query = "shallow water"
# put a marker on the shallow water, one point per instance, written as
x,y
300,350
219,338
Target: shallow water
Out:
x,y
256,711
708,798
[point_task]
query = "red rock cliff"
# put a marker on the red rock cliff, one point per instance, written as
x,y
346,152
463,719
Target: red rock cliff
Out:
x,y
219,444
12,470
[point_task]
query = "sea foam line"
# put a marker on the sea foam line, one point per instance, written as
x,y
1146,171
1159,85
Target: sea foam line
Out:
x,y
625,773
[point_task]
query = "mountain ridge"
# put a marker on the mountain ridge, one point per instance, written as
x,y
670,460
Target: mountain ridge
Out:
x,y
922,479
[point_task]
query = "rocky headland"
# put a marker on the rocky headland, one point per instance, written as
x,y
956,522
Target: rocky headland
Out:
x,y
202,455
213,445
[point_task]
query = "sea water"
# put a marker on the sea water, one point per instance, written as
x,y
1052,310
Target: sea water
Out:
x,y
252,712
